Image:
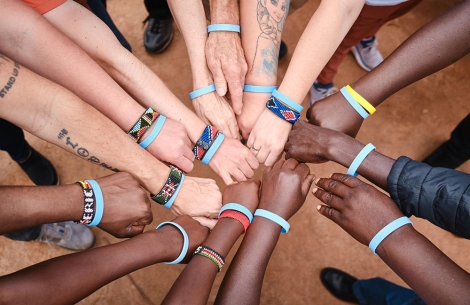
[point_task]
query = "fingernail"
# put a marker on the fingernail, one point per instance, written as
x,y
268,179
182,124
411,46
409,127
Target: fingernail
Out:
x,y
318,207
316,180
330,175
315,189
239,112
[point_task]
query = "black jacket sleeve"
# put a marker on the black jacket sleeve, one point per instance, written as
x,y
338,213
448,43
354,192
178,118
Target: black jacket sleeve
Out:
x,y
439,195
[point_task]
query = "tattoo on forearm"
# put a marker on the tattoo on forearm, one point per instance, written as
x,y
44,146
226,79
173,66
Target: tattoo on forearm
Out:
x,y
272,16
11,80
83,152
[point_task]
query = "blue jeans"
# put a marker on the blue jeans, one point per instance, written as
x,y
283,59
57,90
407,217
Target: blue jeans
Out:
x,y
378,291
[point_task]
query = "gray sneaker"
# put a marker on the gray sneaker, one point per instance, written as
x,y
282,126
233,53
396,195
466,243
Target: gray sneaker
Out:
x,y
68,235
318,92
367,55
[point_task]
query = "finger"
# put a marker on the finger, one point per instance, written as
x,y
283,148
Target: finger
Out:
x,y
245,168
233,127
307,183
188,153
278,164
206,222
185,164
226,177
134,231
238,175
236,93
303,169
328,198
252,161
290,164
329,213
262,155
225,128
272,157
288,144
251,141
347,180
219,81
334,186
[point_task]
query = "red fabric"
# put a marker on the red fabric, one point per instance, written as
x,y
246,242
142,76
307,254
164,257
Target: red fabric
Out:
x,y
44,6
238,216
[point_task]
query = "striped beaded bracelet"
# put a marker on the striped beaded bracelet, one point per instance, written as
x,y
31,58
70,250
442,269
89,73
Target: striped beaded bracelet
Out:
x,y
212,255
208,143
93,207
170,189
142,125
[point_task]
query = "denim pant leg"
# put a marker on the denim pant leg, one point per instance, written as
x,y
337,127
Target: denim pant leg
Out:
x,y
378,291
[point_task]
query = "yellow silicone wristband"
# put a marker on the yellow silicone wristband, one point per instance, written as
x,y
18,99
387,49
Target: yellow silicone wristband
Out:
x,y
362,101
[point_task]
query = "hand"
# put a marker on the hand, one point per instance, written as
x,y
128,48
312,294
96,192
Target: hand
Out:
x,y
126,205
196,235
309,143
226,60
334,112
215,110
172,145
199,198
245,193
233,159
269,135
253,106
357,207
285,187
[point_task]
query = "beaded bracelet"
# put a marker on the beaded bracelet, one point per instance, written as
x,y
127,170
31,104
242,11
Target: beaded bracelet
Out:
x,y
282,111
359,159
237,216
184,250
212,255
142,125
387,230
170,189
155,131
208,137
94,204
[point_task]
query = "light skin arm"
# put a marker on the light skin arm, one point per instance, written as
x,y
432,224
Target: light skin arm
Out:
x,y
47,283
212,107
72,68
232,159
424,53
362,211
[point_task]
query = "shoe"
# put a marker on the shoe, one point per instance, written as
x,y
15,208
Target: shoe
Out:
x,y
39,169
367,55
158,34
339,284
282,50
446,156
319,91
68,235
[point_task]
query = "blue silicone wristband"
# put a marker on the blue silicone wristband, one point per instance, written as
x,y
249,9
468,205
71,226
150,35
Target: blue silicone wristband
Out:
x,y
154,133
185,241
259,89
172,199
237,207
362,112
359,159
287,101
276,218
212,150
99,203
223,27
202,91
387,230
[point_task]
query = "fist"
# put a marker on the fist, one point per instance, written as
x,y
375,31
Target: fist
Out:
x,y
245,193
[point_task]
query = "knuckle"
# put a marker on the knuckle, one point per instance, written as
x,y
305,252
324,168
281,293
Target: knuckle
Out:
x,y
332,184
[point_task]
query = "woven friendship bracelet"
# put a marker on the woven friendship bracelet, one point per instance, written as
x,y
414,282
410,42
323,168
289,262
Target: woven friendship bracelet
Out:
x,y
170,189
259,89
359,159
387,230
184,250
142,125
362,101
89,203
354,103
282,110
212,255
237,216
208,136
223,27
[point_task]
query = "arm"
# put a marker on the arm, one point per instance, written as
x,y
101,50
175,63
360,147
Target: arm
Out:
x,y
47,283
362,211
212,107
194,284
283,192
424,53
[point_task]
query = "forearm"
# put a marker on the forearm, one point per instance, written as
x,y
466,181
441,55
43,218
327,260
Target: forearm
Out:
x,y
247,269
424,53
329,24
47,283
27,206
224,11
428,271
194,284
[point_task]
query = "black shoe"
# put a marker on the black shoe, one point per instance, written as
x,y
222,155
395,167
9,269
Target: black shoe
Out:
x,y
158,34
446,156
282,50
39,169
339,284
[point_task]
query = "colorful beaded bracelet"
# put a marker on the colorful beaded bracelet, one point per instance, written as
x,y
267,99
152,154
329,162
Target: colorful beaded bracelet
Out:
x,y
208,137
142,125
282,111
170,189
212,255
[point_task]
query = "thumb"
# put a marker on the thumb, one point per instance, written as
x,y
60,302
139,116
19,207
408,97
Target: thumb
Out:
x,y
134,230
307,183
219,81
329,213
206,222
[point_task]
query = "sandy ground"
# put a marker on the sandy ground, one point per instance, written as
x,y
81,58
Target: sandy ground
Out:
x,y
412,122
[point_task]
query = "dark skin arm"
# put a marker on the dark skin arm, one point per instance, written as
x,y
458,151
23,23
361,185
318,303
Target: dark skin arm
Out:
x,y
312,144
424,53
87,271
27,206
285,186
362,211
194,284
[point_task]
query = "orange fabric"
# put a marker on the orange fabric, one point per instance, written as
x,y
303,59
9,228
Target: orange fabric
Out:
x,y
44,6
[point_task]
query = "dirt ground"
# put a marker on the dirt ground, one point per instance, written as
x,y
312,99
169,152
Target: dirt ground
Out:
x,y
412,122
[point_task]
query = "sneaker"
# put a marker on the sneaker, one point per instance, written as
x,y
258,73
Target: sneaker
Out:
x,y
39,169
366,53
320,91
282,50
158,34
68,235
